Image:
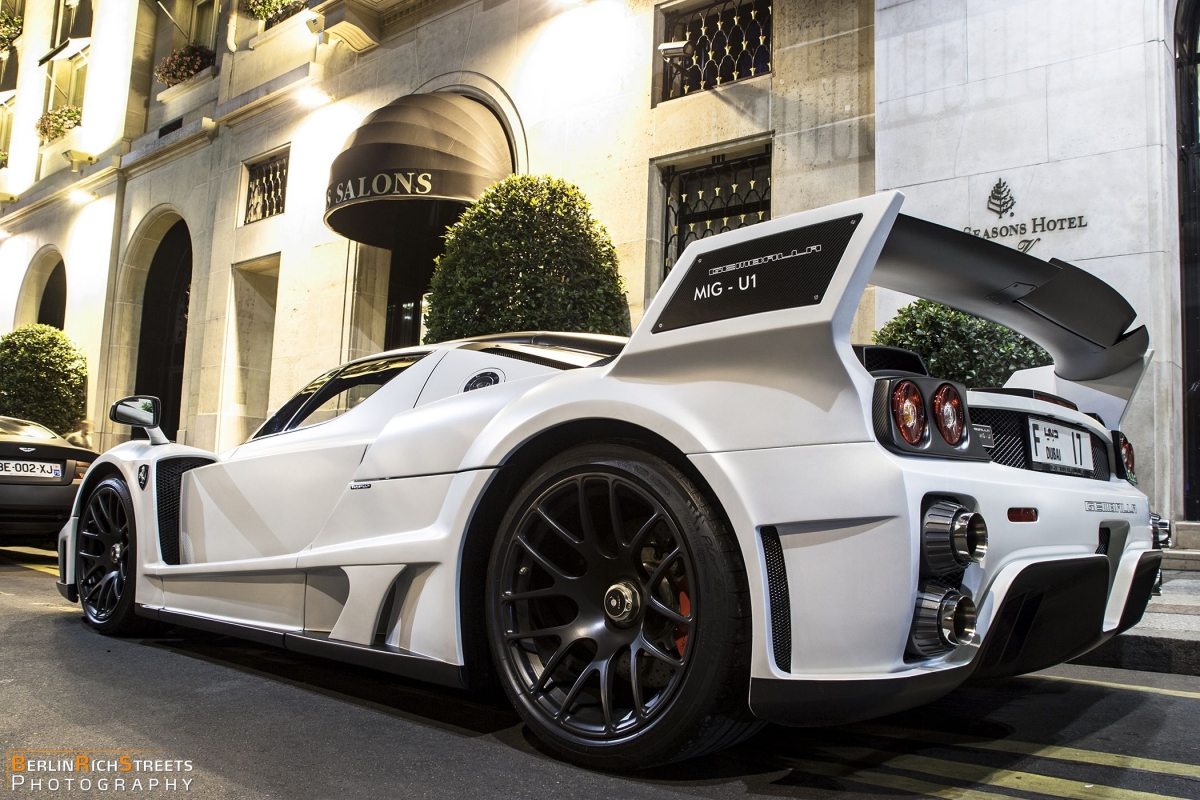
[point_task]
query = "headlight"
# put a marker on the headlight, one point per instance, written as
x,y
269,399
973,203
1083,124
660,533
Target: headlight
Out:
x,y
908,409
948,414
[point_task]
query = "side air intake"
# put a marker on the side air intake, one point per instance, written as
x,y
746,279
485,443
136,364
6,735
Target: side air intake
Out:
x,y
168,477
781,602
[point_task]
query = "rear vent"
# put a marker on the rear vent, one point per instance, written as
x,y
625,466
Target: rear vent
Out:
x,y
1105,541
522,355
781,604
168,475
890,360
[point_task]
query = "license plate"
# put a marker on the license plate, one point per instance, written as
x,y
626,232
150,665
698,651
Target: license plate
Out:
x,y
30,469
1059,446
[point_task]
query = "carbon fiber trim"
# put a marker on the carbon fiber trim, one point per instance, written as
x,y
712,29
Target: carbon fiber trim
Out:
x,y
781,603
1009,431
168,475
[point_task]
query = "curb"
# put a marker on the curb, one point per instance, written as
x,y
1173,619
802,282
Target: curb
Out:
x,y
1147,654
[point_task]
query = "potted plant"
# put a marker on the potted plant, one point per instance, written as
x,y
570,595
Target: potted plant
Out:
x,y
57,121
3,159
10,28
183,63
272,12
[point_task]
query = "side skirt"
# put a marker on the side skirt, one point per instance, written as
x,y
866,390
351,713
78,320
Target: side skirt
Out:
x,y
379,657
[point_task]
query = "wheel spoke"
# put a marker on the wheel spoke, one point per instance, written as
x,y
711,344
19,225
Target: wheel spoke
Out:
x,y
606,694
585,515
557,630
542,561
569,700
668,612
92,570
614,512
660,654
550,666
532,594
635,679
642,531
559,529
89,555
661,570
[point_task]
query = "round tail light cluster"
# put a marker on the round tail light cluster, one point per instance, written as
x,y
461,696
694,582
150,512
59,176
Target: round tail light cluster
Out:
x,y
908,409
949,415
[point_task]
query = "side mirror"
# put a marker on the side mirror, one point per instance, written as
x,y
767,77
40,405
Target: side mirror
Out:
x,y
140,411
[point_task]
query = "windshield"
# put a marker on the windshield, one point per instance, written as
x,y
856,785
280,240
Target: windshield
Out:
x,y
25,430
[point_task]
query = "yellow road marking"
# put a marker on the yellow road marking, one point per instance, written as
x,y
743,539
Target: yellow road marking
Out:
x,y
1110,685
1001,778
1037,750
38,567
890,781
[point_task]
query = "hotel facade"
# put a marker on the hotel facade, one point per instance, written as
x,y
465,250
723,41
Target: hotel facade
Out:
x,y
222,241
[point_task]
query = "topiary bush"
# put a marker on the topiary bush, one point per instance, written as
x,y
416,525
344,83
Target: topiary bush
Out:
x,y
43,377
961,347
527,256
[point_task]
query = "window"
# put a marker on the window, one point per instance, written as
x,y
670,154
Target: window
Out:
x,y
72,20
724,195
204,23
267,187
722,43
6,117
68,77
336,392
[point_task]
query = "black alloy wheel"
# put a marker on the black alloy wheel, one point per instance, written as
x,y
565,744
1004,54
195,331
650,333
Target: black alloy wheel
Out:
x,y
106,558
597,610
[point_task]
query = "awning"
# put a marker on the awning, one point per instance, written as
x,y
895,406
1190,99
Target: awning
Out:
x,y
78,30
422,147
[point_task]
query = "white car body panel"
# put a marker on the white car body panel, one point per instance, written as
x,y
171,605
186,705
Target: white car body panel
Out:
x,y
353,530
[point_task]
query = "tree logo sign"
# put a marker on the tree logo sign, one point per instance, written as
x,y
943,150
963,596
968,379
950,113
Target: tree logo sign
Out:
x,y
1000,201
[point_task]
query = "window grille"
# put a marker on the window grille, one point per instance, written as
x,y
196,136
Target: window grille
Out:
x,y
722,196
726,42
267,188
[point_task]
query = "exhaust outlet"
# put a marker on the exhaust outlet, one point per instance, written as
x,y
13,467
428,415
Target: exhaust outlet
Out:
x,y
943,619
952,538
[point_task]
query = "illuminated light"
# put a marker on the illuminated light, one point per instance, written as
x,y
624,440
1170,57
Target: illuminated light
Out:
x,y
311,97
4,235
80,197
1022,515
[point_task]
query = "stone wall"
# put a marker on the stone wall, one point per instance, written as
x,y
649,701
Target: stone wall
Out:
x,y
1066,108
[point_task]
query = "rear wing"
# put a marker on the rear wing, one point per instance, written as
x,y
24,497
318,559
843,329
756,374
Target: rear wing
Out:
x,y
795,283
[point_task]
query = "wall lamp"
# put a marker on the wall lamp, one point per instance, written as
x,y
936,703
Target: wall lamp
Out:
x,y
79,196
4,235
8,199
672,50
78,158
316,26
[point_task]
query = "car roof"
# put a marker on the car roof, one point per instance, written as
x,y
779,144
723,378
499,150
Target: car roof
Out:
x,y
9,435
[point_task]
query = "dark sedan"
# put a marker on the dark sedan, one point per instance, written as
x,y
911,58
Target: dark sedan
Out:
x,y
40,473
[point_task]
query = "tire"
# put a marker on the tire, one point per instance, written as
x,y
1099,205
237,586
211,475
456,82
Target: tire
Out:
x,y
621,635
106,560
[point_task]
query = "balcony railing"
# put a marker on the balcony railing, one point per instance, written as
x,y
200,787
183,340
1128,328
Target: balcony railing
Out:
x,y
725,42
267,188
722,196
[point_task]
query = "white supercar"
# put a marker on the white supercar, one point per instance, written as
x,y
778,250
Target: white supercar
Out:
x,y
656,544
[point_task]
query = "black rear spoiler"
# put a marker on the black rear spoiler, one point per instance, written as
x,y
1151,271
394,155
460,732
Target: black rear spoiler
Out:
x,y
1081,320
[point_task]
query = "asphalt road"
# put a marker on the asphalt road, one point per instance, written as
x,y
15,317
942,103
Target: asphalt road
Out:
x,y
257,722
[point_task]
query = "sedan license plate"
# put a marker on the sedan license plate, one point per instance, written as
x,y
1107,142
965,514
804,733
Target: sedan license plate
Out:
x,y
30,469
1059,446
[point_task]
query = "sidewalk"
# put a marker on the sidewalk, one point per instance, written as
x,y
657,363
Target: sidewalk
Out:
x,y
1168,637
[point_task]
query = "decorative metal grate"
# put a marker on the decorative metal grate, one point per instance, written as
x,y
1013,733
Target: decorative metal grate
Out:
x,y
267,189
726,42
722,196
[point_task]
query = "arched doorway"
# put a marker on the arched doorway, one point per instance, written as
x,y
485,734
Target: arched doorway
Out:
x,y
43,295
1187,83
163,336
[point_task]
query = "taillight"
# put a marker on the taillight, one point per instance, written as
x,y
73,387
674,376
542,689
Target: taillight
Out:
x,y
81,468
1126,461
948,414
908,410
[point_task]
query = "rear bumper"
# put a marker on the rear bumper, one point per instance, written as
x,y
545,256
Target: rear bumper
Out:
x,y
1051,612
34,510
